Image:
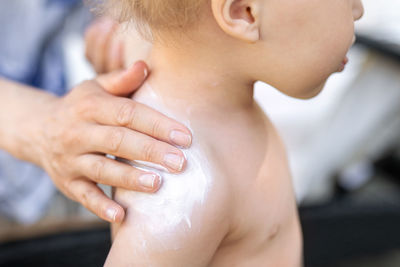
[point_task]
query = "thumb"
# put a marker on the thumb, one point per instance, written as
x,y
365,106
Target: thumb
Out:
x,y
124,82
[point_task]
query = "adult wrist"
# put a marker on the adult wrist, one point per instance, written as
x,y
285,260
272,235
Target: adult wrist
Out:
x,y
21,109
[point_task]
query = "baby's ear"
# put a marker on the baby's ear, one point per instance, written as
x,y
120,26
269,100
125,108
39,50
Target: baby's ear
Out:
x,y
238,18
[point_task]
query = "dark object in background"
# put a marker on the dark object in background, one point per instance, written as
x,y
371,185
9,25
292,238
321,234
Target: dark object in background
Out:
x,y
360,227
341,231
390,49
389,164
84,248
333,233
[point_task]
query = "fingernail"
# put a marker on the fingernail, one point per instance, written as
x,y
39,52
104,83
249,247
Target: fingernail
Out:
x,y
146,72
149,180
111,213
174,162
180,138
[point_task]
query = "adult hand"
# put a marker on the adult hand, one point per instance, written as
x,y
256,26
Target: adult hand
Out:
x,y
78,130
103,49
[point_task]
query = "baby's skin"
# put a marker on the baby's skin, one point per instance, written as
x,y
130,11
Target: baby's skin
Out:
x,y
233,206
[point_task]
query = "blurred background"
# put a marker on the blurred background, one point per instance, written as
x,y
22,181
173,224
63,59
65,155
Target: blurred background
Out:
x,y
343,146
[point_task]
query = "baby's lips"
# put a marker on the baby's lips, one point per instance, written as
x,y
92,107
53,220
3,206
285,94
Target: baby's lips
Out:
x,y
343,64
345,61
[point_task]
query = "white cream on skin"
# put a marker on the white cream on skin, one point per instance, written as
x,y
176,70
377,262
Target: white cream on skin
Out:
x,y
168,213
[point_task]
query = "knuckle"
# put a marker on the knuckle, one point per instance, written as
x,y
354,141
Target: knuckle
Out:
x,y
149,151
85,90
126,114
156,128
98,169
55,139
115,140
80,90
86,106
127,180
87,197
67,139
83,197
69,186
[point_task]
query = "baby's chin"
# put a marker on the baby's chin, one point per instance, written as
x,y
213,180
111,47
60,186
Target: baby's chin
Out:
x,y
311,93
319,89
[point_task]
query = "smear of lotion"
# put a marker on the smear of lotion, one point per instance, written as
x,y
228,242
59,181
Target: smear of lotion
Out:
x,y
170,210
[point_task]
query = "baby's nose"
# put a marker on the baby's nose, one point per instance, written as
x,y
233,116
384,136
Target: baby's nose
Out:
x,y
358,10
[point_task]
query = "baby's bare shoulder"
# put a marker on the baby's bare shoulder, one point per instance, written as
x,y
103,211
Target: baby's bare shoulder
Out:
x,y
185,222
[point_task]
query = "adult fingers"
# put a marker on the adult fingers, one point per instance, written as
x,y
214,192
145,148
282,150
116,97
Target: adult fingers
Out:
x,y
123,83
103,170
94,199
124,143
138,117
98,106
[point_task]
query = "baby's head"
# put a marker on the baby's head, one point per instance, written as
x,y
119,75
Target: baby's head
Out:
x,y
293,45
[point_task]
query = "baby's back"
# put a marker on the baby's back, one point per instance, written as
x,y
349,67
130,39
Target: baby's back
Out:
x,y
233,206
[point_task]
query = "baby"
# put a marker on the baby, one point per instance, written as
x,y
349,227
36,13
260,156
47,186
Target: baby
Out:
x,y
234,204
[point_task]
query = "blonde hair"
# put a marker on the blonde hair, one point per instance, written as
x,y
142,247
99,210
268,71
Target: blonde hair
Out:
x,y
155,16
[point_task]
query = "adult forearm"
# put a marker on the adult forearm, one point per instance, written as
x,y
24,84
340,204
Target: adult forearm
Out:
x,y
20,107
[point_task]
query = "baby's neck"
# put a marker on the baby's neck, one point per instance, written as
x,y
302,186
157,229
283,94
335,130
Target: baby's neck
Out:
x,y
200,80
